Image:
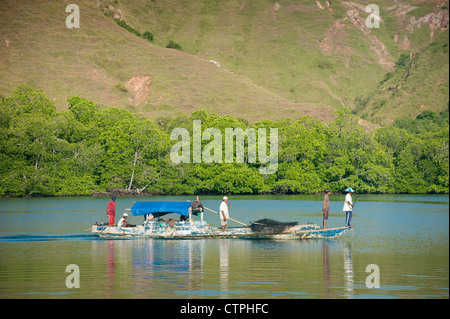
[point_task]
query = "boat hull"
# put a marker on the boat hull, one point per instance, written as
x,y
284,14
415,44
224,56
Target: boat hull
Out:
x,y
193,230
324,233
163,230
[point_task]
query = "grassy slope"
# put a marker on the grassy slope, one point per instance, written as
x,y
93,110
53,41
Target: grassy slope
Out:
x,y
423,84
281,48
96,60
272,62
278,49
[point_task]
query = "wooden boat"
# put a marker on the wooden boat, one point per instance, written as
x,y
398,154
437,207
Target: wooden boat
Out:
x,y
186,227
269,228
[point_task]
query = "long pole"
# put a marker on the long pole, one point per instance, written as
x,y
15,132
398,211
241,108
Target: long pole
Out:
x,y
355,200
218,214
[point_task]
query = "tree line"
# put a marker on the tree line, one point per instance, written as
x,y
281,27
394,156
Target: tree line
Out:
x,y
88,149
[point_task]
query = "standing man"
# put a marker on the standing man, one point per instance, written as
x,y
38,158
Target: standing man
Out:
x,y
223,212
197,206
325,207
348,206
111,210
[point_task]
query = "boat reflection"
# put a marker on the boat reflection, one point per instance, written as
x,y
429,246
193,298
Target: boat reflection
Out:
x,y
155,268
326,269
111,267
348,269
224,266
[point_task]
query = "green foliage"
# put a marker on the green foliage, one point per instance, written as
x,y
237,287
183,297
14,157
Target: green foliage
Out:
x,y
420,159
173,45
124,25
387,77
148,36
88,148
427,121
353,157
360,103
402,60
82,109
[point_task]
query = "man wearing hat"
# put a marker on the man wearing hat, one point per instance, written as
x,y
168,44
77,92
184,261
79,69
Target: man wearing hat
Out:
x,y
348,206
123,221
223,212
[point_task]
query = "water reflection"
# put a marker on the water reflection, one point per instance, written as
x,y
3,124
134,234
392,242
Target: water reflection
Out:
x,y
408,235
223,269
146,266
326,269
111,267
149,268
330,265
348,269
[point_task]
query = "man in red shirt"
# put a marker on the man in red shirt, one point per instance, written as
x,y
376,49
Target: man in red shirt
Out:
x,y
111,210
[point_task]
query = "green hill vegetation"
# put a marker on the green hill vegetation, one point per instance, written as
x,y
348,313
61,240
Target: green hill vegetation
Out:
x,y
413,85
89,149
92,108
251,59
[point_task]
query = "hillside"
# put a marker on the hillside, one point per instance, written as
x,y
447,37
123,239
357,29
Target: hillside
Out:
x,y
419,80
277,59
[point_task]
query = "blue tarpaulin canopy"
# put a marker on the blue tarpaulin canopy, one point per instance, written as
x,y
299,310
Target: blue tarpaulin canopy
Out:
x,y
160,208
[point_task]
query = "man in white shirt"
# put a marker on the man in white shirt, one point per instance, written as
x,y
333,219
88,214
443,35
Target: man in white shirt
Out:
x,y
223,212
348,206
123,221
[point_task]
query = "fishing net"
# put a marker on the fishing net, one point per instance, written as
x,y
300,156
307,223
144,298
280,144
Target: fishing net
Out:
x,y
267,225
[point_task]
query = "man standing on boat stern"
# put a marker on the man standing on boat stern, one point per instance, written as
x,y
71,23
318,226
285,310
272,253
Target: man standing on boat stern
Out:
x,y
348,206
111,210
325,207
223,212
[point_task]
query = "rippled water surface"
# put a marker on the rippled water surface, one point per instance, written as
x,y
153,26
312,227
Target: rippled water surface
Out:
x,y
405,236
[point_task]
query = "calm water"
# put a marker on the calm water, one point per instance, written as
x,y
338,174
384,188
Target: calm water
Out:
x,y
406,236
